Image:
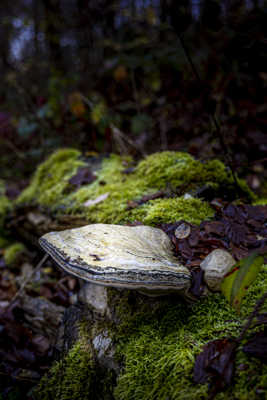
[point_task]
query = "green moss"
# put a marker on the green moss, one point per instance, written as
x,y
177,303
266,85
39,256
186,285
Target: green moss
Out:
x,y
260,202
76,376
70,378
52,178
171,210
159,348
5,203
160,171
12,252
5,206
167,170
157,345
178,169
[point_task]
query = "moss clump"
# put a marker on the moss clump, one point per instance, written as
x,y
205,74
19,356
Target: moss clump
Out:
x,y
160,171
51,178
5,206
171,210
70,378
159,349
178,169
12,253
260,202
5,203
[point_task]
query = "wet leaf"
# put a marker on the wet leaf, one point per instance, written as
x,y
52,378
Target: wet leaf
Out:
x,y
216,362
237,281
257,346
235,232
215,227
82,177
198,285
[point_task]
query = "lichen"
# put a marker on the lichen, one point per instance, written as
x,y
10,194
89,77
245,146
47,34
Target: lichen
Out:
x,y
51,178
159,349
12,252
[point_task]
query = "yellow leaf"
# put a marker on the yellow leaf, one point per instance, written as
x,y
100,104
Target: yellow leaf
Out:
x,y
98,112
120,73
76,104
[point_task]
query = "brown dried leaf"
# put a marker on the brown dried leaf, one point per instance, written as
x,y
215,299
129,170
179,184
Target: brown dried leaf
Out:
x,y
82,177
216,362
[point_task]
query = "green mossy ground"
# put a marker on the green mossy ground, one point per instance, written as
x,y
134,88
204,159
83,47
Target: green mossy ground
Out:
x,y
70,378
173,172
159,348
51,178
156,345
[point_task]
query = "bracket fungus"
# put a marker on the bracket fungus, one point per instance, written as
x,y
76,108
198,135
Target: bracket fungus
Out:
x,y
133,257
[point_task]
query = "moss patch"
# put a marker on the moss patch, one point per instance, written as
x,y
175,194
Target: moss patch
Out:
x,y
51,178
158,344
70,378
168,171
171,210
159,349
12,252
5,206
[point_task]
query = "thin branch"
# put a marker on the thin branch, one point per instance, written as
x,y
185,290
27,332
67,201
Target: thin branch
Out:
x,y
26,280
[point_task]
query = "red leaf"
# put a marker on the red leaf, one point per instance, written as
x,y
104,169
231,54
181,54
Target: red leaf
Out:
x,y
216,362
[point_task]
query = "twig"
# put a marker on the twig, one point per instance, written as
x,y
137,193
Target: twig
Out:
x,y
120,138
26,280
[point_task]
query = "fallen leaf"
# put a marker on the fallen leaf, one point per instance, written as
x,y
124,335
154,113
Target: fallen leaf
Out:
x,y
83,177
197,285
237,281
216,362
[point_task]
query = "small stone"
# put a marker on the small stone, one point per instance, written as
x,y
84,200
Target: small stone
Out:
x,y
216,265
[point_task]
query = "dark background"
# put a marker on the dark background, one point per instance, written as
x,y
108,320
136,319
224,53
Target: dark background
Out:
x,y
104,75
